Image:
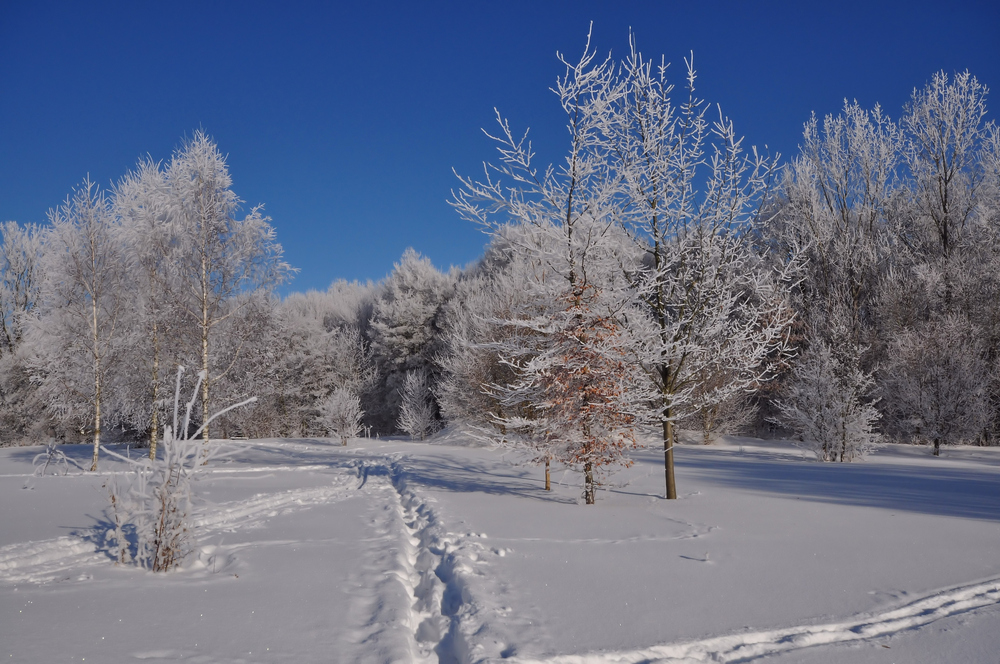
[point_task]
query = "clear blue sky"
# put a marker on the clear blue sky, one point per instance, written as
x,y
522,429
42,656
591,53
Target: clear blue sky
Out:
x,y
346,119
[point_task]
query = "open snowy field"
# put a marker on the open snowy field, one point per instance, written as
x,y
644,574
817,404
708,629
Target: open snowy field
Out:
x,y
396,551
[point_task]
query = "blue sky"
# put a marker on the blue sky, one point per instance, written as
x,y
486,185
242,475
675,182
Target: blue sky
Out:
x,y
346,119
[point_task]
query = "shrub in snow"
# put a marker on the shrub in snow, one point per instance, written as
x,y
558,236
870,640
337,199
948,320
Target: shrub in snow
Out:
x,y
341,414
416,411
829,405
154,501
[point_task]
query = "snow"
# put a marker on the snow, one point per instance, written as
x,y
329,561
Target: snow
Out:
x,y
393,551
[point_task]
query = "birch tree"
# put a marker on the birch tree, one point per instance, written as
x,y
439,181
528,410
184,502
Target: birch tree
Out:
x,y
141,202
85,265
221,254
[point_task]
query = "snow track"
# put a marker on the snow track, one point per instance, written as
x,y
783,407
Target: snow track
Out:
x,y
249,512
423,609
749,646
62,558
48,560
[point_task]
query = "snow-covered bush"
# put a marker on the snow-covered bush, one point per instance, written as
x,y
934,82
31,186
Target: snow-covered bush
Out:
x,y
829,405
416,411
154,501
341,414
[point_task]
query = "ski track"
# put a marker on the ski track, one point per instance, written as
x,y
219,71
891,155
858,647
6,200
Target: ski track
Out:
x,y
746,647
44,561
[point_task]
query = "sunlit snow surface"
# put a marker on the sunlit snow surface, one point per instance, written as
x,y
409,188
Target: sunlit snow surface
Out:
x,y
396,551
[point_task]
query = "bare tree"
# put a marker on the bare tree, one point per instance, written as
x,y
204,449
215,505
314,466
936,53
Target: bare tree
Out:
x,y
341,413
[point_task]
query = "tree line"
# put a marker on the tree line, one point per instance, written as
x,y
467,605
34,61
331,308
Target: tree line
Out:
x,y
661,275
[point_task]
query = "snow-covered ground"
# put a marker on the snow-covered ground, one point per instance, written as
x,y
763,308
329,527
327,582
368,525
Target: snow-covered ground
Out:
x,y
396,551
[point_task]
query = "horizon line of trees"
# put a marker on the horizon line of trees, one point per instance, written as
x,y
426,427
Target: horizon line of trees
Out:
x,y
660,275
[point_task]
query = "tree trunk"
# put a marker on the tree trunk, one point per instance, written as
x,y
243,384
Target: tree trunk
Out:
x,y
204,350
668,457
154,435
204,327
548,479
937,447
588,489
97,384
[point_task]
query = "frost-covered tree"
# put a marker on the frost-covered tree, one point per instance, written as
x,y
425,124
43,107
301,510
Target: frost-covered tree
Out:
x,y
156,499
581,386
404,332
417,415
834,210
829,404
571,397
692,194
474,331
936,383
84,307
945,132
20,280
157,334
731,415
319,349
221,254
341,413
21,410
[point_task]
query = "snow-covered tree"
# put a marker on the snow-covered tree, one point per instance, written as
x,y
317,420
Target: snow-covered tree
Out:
x,y
156,335
20,280
221,255
835,209
417,415
936,383
21,410
84,307
474,331
581,386
156,499
829,404
341,413
571,396
319,350
945,132
692,195
404,332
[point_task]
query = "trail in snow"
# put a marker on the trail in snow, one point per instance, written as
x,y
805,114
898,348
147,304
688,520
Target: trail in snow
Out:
x,y
48,560
748,646
422,608
249,512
